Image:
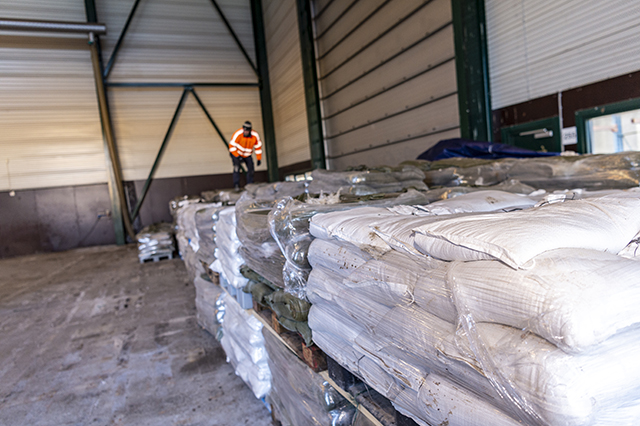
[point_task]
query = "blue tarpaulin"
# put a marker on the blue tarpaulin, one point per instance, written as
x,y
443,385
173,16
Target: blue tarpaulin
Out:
x,y
477,149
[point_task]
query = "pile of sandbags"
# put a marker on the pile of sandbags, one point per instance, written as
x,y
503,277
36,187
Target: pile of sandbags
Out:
x,y
243,343
155,241
228,260
593,172
207,294
464,317
366,181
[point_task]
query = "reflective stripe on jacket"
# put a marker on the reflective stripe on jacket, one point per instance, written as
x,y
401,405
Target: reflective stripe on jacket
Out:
x,y
239,146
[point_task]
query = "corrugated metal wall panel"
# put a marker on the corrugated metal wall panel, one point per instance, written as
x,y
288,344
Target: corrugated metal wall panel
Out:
x,y
143,117
394,154
179,42
51,133
540,48
287,85
389,80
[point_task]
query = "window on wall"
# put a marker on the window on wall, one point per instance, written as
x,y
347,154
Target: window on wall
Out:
x,y
609,128
615,132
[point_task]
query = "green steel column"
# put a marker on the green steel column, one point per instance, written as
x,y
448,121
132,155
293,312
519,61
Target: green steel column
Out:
x,y
265,91
472,66
311,92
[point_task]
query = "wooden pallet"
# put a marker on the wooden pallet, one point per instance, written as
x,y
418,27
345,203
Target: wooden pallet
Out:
x,y
310,355
156,258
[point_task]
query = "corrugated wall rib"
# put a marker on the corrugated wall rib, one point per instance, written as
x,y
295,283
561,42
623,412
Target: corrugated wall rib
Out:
x,y
287,85
541,48
50,131
387,78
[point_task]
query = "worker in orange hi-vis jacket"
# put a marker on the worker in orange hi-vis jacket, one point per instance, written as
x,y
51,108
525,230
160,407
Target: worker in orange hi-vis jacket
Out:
x,y
241,145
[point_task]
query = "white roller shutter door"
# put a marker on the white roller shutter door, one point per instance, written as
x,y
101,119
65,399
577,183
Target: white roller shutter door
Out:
x,y
387,78
537,48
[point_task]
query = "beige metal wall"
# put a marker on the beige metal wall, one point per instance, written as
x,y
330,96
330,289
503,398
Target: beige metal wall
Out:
x,y
387,78
183,42
50,131
287,85
538,48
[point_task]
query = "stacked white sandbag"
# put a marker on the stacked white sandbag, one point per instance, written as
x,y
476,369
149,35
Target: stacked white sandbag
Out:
x,y
524,317
155,241
228,260
365,181
243,343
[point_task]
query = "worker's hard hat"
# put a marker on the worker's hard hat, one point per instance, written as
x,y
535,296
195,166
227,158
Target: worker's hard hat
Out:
x,y
247,125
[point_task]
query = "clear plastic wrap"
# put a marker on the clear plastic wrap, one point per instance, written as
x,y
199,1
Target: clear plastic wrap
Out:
x,y
289,220
207,293
205,218
300,396
593,172
228,260
275,190
604,223
243,343
367,181
551,344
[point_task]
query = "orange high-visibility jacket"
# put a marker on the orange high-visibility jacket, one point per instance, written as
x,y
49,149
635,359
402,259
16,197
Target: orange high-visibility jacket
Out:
x,y
239,146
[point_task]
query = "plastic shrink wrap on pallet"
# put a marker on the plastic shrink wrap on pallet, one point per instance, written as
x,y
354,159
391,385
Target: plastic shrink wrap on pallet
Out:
x,y
552,344
288,222
228,260
298,395
593,172
155,240
207,293
367,181
259,250
243,343
205,220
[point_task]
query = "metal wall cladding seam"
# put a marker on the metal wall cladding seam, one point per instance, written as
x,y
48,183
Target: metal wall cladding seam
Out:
x,y
51,134
389,82
430,118
374,26
182,41
392,154
409,80
142,118
287,84
540,48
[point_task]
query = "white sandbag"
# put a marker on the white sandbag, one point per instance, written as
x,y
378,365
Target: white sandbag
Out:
x,y
574,298
393,279
243,343
564,389
480,201
605,223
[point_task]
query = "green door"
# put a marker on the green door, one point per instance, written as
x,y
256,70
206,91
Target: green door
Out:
x,y
542,135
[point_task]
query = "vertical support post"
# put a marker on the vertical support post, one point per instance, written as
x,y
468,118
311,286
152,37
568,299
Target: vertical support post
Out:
x,y
311,91
121,220
265,90
472,69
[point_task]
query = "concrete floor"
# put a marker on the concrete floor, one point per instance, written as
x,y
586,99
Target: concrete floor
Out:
x,y
92,337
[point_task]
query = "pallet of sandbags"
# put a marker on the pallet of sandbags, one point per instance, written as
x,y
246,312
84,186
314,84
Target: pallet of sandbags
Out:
x,y
475,318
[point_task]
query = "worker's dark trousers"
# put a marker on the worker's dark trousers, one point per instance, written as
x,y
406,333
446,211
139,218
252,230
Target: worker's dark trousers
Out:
x,y
236,169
